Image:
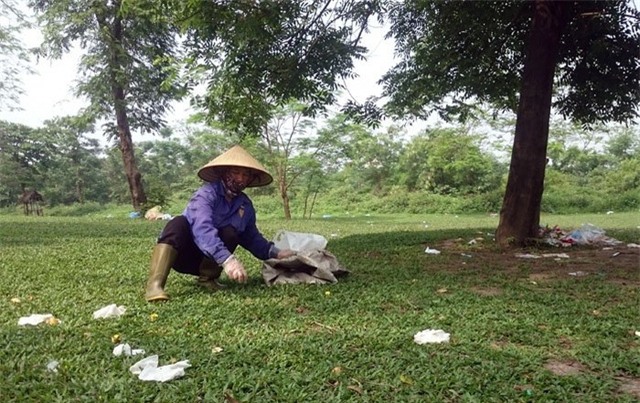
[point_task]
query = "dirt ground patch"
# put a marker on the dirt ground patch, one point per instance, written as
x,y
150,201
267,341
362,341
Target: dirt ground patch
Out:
x,y
564,368
630,386
618,265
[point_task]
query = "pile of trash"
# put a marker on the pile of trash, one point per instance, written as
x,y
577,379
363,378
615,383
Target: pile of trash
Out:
x,y
587,234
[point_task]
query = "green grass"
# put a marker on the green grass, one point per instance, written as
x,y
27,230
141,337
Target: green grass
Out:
x,y
295,343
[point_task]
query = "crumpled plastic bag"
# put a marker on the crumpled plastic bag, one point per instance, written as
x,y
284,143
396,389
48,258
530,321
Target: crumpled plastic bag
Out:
x,y
126,350
299,241
312,263
52,366
431,336
308,266
589,234
109,311
37,318
147,369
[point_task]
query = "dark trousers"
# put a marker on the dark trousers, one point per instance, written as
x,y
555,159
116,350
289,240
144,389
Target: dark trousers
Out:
x,y
177,233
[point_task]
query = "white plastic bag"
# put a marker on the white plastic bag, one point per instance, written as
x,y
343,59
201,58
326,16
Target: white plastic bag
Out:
x,y
431,336
299,241
109,311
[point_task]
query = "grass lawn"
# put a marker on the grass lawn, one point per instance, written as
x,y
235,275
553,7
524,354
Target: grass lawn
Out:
x,y
548,329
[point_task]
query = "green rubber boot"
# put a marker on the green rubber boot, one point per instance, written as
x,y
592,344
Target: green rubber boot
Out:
x,y
210,272
161,261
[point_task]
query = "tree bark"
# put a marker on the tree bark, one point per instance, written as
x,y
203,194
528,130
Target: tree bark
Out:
x,y
285,200
520,212
125,143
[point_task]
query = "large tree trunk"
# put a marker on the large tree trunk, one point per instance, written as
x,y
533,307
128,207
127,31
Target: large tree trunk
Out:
x,y
134,178
520,213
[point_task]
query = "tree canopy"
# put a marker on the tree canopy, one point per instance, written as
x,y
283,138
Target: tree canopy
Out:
x,y
256,56
14,57
454,54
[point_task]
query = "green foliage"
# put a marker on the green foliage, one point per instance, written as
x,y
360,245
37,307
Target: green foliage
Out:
x,y
446,161
454,54
128,51
14,57
257,55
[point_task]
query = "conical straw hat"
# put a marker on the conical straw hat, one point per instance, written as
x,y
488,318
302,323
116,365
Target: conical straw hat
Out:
x,y
236,156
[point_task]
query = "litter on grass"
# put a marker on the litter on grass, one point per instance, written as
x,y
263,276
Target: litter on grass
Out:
x,y
109,311
52,366
126,350
431,336
37,318
430,251
147,369
534,256
587,234
527,256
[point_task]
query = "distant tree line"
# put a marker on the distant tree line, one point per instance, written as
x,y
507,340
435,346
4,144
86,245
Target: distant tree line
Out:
x,y
340,166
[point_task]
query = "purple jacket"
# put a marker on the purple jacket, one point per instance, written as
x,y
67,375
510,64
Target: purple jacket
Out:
x,y
208,210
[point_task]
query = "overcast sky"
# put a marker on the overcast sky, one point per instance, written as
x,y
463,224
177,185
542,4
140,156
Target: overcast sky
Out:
x,y
49,91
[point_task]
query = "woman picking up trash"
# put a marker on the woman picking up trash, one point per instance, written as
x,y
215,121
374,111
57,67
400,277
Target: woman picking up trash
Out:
x,y
217,219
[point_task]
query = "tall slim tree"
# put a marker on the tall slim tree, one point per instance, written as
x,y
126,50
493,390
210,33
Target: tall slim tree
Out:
x,y
128,72
14,57
582,57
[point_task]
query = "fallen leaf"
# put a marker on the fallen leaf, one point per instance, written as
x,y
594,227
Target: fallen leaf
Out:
x,y
355,388
228,397
115,339
153,317
16,300
216,350
406,380
52,321
336,371
442,290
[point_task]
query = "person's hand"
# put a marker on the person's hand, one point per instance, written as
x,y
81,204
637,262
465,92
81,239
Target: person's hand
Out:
x,y
234,269
285,253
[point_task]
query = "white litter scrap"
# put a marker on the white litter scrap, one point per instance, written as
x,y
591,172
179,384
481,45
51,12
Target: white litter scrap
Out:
x,y
431,336
109,311
633,245
35,319
637,333
578,273
52,366
147,369
126,350
527,256
430,251
557,255
534,256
